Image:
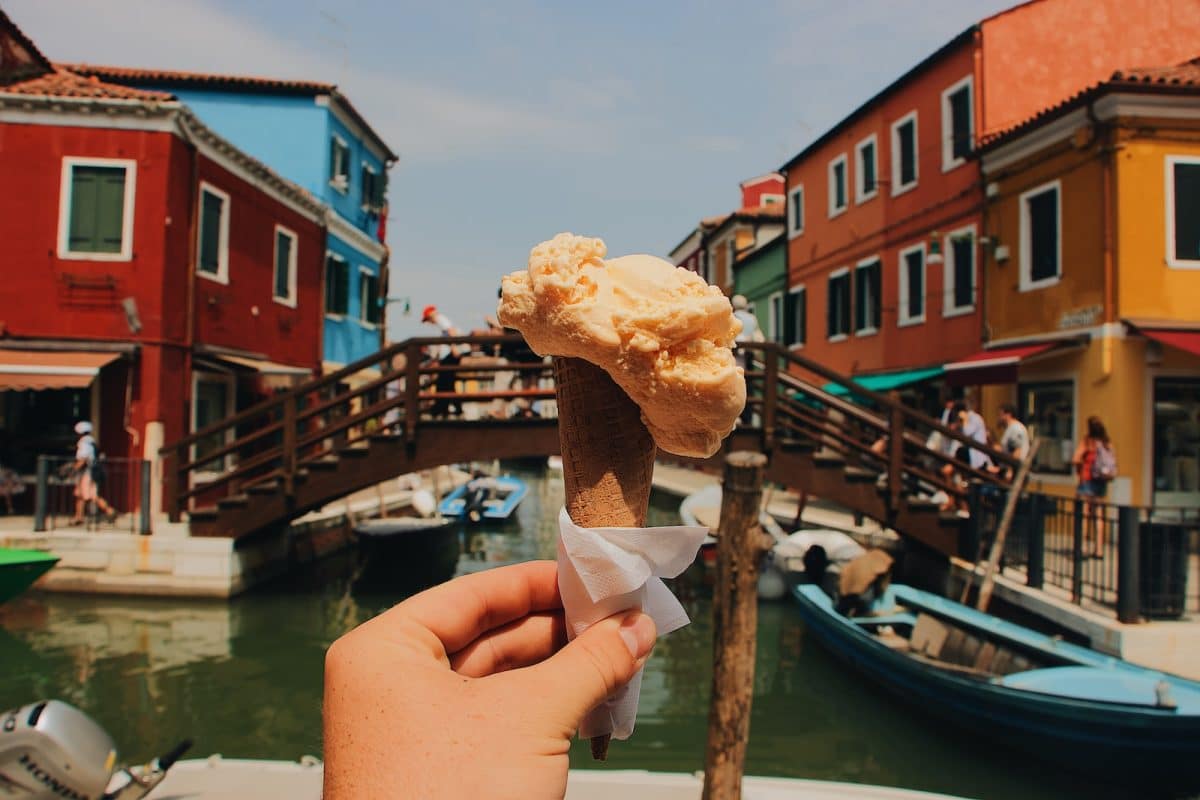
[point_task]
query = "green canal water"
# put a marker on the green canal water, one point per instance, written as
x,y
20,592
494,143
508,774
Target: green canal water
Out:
x,y
243,678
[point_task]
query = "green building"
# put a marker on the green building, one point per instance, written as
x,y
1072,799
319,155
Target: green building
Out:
x,y
761,277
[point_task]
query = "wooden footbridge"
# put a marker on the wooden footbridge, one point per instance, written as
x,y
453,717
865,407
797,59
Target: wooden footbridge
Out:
x,y
399,411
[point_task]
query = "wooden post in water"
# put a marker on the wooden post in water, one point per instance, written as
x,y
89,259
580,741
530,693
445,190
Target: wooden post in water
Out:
x,y
1010,507
741,544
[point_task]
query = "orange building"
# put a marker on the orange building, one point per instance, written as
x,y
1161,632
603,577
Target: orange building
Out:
x,y
1092,281
885,209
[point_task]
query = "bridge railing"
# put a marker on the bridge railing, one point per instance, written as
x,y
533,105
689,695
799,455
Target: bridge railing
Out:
x,y
396,390
388,393
795,401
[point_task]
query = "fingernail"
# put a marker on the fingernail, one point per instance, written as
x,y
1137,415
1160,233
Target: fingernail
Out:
x,y
637,631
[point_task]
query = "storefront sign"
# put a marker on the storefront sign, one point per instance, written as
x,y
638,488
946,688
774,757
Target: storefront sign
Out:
x,y
1080,317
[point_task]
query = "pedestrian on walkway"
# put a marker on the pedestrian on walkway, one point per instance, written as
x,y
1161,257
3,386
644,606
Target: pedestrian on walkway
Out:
x,y
1014,436
87,490
1095,463
446,355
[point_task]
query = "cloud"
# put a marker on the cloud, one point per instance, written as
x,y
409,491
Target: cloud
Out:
x,y
421,120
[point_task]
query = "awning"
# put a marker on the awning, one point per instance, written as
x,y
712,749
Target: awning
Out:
x,y
1000,365
263,366
885,382
1184,340
51,369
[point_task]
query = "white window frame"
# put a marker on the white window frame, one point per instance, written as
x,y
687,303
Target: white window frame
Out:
x,y
1027,284
834,209
290,300
801,289
774,322
362,300
333,174
1169,195
325,267
948,272
949,162
64,208
897,187
903,320
795,198
839,337
861,196
230,381
870,330
222,275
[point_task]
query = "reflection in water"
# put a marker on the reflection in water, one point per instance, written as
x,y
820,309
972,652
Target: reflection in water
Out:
x,y
243,677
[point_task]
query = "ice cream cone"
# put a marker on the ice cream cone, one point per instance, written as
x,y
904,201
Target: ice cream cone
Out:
x,y
607,453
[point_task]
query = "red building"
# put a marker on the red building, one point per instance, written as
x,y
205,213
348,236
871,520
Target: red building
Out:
x,y
885,209
155,277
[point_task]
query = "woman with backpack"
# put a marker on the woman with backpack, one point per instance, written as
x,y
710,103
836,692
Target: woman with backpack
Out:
x,y
1095,464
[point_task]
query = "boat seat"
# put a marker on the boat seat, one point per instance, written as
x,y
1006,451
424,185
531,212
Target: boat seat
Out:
x,y
929,636
896,618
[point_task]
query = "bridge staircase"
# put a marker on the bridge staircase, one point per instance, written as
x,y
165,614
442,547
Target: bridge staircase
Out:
x,y
399,411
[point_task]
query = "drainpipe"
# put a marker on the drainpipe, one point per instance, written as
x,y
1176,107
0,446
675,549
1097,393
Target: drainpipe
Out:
x,y
1107,152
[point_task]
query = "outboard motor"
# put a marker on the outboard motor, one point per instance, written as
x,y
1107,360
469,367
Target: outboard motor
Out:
x,y
51,750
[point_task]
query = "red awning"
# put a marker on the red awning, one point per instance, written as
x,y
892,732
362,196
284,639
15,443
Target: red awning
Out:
x,y
51,369
998,365
1184,340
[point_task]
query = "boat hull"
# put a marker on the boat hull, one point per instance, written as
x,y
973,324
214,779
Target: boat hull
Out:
x,y
406,555
1151,747
19,569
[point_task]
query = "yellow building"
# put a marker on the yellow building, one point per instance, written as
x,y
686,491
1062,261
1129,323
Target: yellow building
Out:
x,y
1091,281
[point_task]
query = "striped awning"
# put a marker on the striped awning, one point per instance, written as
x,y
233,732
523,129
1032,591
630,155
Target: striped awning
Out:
x,y
22,370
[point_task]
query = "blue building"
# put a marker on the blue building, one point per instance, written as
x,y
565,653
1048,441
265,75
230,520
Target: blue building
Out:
x,y
310,133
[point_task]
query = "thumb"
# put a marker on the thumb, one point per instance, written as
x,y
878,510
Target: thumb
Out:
x,y
595,664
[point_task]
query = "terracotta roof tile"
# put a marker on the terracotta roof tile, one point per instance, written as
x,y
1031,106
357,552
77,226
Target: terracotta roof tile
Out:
x,y
1185,74
211,80
64,83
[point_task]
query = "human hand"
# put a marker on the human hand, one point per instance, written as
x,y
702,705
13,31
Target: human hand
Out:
x,y
470,690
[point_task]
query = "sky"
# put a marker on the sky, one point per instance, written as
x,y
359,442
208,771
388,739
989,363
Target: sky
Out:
x,y
516,120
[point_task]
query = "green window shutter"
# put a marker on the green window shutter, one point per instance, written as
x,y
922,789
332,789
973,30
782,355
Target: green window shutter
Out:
x,y
337,288
330,285
97,209
370,298
960,121
1187,211
380,190
283,261
211,207
343,287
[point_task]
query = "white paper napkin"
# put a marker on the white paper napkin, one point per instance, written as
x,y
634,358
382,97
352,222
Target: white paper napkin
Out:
x,y
603,571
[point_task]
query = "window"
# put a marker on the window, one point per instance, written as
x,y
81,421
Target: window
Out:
x,y
1183,212
339,164
368,296
96,209
373,187
1176,441
866,183
837,186
285,266
795,318
904,153
213,398
958,127
959,272
337,285
212,251
770,199
1041,240
796,212
867,277
837,314
912,285
775,318
1048,410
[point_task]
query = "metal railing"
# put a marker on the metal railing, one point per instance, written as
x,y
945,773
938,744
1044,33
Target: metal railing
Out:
x,y
1135,561
122,486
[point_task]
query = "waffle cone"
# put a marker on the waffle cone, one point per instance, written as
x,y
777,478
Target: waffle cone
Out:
x,y
607,453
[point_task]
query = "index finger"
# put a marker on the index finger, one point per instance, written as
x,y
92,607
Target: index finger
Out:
x,y
460,611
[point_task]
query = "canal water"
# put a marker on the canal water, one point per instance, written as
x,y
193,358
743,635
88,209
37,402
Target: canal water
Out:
x,y
243,677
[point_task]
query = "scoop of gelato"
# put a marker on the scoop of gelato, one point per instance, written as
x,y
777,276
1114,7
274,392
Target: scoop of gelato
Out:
x,y
660,331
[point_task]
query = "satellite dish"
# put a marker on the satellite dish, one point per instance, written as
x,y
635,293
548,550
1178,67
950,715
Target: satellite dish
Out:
x,y
131,315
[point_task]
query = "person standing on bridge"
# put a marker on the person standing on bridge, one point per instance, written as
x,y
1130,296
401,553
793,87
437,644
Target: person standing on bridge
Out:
x,y
446,355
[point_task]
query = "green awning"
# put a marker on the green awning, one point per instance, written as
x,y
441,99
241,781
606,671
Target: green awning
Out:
x,y
887,381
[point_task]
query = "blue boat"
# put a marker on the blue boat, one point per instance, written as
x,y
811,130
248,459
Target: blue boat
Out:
x,y
484,497
1078,708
